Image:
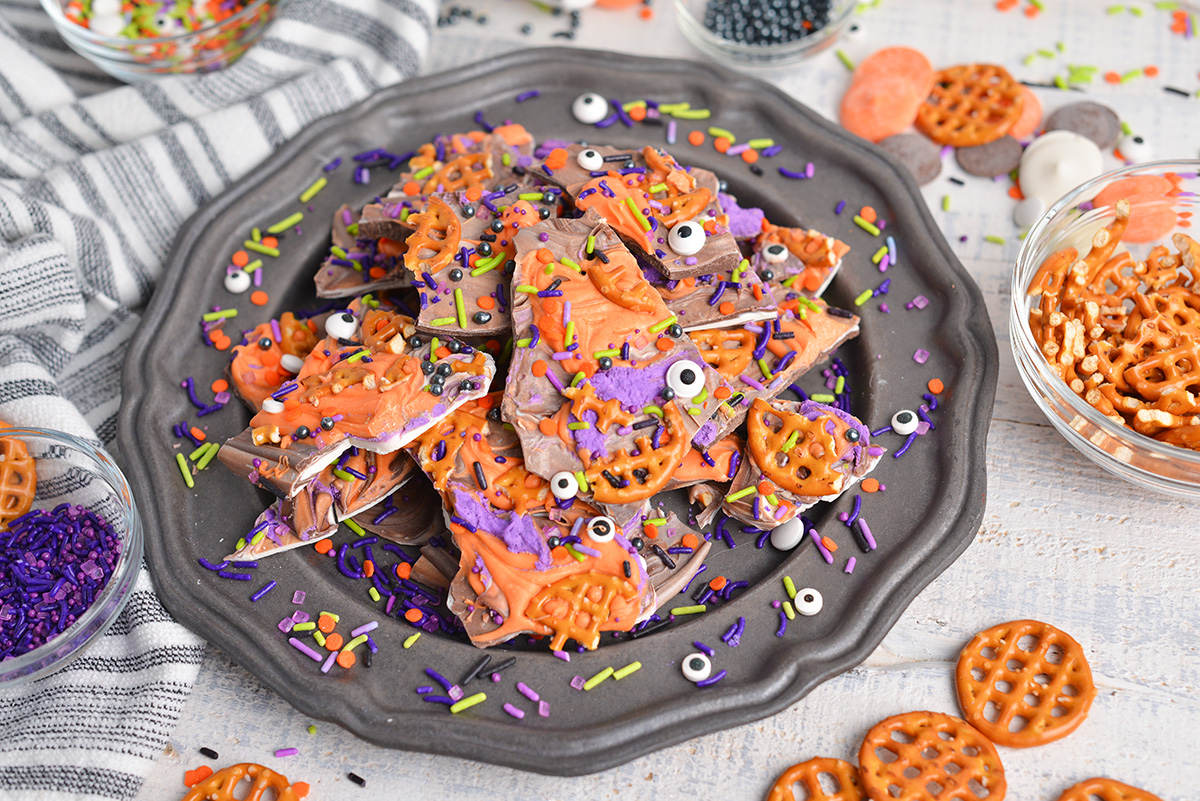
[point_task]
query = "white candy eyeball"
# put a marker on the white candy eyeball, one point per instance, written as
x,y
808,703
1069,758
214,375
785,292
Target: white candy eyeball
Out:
x,y
696,667
808,601
787,536
1135,148
291,363
237,281
589,108
686,238
590,160
904,422
272,406
774,254
341,326
564,485
107,24
686,378
602,529
855,31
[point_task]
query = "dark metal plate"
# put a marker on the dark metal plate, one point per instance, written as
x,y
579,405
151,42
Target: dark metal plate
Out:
x,y
928,515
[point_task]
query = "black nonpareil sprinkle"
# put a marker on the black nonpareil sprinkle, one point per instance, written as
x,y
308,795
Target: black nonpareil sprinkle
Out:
x,y
766,22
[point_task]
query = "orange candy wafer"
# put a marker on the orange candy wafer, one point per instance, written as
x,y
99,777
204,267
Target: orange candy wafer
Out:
x,y
880,107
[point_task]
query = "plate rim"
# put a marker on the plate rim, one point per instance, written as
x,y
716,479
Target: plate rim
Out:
x,y
485,740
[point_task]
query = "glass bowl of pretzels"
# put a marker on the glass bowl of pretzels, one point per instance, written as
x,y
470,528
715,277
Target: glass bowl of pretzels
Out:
x,y
1105,322
70,549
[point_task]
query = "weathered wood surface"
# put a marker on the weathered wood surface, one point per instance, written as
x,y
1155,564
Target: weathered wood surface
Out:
x,y
1061,540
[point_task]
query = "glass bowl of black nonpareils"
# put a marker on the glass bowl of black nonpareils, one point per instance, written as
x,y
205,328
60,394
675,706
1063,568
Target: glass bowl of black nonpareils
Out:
x,y
763,33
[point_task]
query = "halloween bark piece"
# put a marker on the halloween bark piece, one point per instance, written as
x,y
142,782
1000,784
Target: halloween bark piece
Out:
x,y
353,484
796,261
721,300
761,360
666,213
672,556
514,579
717,463
366,384
461,258
409,516
357,264
475,163
797,454
602,396
270,354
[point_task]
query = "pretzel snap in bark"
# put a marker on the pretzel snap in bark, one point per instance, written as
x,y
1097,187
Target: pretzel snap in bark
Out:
x,y
849,783
947,755
1004,666
797,454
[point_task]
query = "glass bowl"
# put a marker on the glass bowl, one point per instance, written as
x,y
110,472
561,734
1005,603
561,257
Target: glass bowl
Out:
x,y
70,470
690,16
1139,459
203,50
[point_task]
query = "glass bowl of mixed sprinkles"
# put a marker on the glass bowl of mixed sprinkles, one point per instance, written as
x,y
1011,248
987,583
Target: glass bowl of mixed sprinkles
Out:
x,y
70,549
763,33
1118,379
135,40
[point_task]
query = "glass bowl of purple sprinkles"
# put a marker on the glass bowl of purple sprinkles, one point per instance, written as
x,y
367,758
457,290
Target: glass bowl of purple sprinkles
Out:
x,y
1072,222
68,565
763,33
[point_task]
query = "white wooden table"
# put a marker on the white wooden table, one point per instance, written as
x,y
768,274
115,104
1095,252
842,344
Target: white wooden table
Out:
x,y
1061,541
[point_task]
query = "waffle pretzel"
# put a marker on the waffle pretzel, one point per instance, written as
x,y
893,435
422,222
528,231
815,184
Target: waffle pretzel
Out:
x,y
1067,684
18,479
464,173
850,786
971,104
575,608
436,239
644,474
220,786
805,469
729,351
1105,790
952,743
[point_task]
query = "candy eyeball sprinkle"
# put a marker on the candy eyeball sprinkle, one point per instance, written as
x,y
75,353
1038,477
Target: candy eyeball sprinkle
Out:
x,y
291,362
341,326
686,238
590,160
602,529
904,422
808,601
1135,148
776,253
564,485
855,31
685,378
272,406
237,281
696,667
589,108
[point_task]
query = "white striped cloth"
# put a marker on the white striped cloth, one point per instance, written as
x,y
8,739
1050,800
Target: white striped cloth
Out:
x,y
95,180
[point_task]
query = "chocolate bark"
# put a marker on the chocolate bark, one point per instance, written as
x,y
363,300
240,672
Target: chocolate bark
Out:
x,y
796,261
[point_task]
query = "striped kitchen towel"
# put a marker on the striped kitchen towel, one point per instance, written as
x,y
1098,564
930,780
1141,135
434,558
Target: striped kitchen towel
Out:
x,y
95,180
